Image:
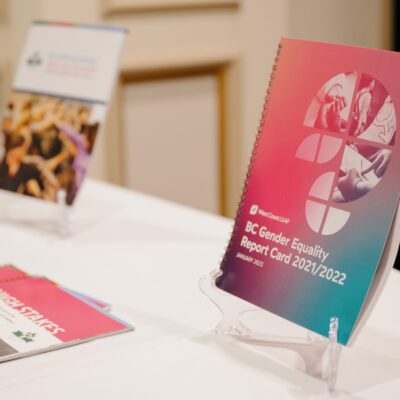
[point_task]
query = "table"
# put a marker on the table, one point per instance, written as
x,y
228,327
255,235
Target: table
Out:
x,y
145,256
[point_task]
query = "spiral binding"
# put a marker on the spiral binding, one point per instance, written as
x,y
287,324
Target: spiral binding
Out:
x,y
267,98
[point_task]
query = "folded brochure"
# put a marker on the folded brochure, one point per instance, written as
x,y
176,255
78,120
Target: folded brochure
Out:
x,y
37,315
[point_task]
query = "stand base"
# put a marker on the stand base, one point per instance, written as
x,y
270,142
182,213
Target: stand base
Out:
x,y
64,214
54,218
312,348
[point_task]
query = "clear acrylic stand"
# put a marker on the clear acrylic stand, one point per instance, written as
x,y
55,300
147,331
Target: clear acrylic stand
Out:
x,y
51,217
313,348
64,214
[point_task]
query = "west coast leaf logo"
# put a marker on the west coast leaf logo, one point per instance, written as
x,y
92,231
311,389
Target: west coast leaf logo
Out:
x,y
25,336
34,59
253,209
354,123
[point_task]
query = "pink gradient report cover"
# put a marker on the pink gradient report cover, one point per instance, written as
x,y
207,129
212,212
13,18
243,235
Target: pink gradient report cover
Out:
x,y
322,187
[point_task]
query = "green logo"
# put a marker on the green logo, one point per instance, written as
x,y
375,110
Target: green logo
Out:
x,y
34,59
25,336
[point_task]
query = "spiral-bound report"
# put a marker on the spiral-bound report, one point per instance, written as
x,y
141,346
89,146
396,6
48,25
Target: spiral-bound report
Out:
x,y
316,232
38,315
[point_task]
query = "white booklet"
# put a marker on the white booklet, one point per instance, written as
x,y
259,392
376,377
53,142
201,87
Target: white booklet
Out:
x,y
57,107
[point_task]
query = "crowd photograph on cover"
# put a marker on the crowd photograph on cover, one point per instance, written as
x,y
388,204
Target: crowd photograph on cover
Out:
x,y
45,145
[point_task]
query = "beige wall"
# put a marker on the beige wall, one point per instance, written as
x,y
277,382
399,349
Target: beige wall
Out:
x,y
242,40
356,22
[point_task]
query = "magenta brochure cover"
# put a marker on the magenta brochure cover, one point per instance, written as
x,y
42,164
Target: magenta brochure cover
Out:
x,y
322,187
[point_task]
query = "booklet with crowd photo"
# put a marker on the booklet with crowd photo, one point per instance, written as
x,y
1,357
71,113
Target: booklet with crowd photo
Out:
x,y
316,235
57,107
37,315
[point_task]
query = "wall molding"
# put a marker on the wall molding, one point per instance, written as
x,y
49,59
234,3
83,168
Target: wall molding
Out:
x,y
178,62
186,64
114,7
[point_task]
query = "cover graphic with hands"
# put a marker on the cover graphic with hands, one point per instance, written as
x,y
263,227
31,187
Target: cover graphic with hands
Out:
x,y
367,154
353,183
354,122
330,108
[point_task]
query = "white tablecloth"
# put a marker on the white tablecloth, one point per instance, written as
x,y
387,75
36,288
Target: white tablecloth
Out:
x,y
145,256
